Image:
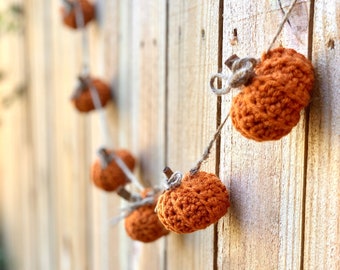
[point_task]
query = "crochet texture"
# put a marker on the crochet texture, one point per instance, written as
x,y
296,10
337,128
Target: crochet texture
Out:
x,y
143,224
200,200
111,177
269,107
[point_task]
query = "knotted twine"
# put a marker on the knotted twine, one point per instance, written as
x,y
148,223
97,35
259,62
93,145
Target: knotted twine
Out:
x,y
275,90
200,199
98,95
142,223
269,106
112,170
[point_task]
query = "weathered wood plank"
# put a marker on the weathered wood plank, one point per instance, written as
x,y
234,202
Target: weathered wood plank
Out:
x,y
41,111
322,233
70,150
263,228
148,107
191,115
105,239
15,173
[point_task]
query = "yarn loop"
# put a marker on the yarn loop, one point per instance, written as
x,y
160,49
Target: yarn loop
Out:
x,y
242,71
269,107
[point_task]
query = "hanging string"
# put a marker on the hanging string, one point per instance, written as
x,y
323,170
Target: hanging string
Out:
x,y
105,133
208,149
125,211
279,29
242,69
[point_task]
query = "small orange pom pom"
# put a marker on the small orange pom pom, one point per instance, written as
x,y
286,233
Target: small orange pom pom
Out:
x,y
69,13
112,177
199,201
82,99
269,107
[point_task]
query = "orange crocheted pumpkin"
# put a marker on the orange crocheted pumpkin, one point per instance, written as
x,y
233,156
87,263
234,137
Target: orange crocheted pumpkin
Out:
x,y
269,107
199,201
112,177
82,99
69,12
143,224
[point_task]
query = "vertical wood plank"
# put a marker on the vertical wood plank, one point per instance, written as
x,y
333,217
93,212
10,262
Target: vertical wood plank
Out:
x,y
322,234
264,225
147,94
191,116
40,88
14,146
127,59
70,150
106,245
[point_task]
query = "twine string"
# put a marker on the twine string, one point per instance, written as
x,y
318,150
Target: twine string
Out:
x,y
174,181
129,175
68,5
242,70
209,147
279,29
105,133
126,211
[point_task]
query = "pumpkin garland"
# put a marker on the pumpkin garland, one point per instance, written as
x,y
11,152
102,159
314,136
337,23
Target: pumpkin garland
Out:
x,y
274,91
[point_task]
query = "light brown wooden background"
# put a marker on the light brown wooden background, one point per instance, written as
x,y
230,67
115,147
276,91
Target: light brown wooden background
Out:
x,y
158,56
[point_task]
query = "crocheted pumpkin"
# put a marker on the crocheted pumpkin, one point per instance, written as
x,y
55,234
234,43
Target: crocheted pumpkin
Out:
x,y
143,224
199,201
269,107
82,99
111,177
69,12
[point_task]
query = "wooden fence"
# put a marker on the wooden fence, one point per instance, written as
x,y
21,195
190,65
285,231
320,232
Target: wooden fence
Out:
x,y
158,56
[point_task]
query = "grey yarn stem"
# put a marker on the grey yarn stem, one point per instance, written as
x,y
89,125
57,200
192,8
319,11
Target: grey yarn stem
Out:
x,y
174,179
127,195
282,24
124,212
85,40
242,71
208,149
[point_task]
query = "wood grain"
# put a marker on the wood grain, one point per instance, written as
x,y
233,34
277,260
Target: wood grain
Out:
x,y
147,95
68,147
322,231
191,116
15,150
158,56
105,244
266,180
